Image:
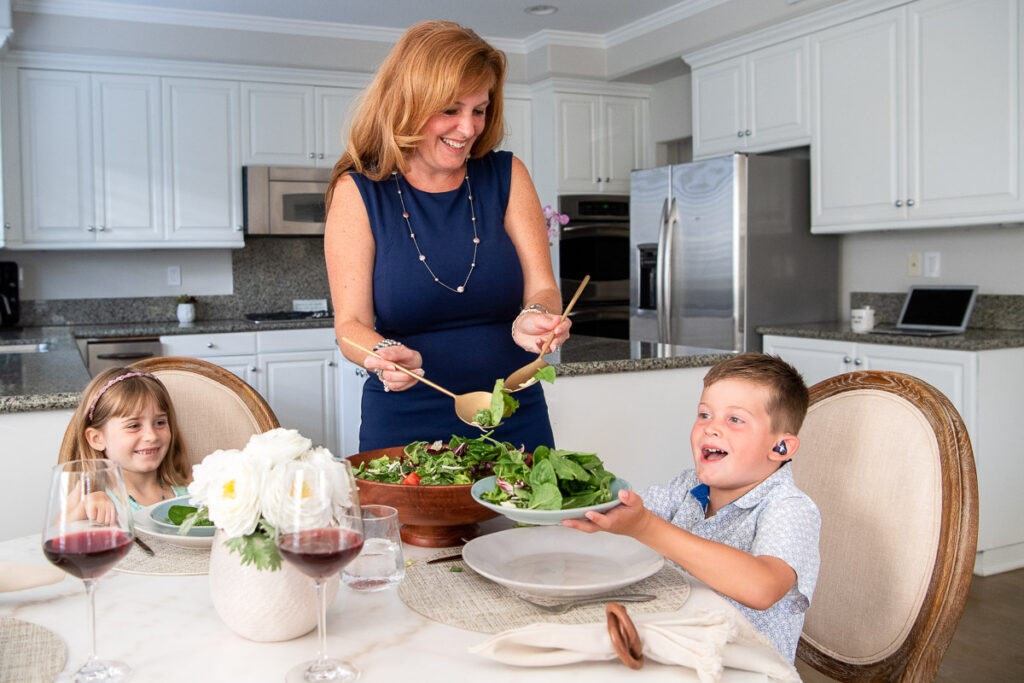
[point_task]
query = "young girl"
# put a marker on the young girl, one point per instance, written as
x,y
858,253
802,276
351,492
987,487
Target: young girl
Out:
x,y
127,416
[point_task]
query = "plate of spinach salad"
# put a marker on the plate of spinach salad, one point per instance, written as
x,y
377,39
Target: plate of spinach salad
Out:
x,y
548,486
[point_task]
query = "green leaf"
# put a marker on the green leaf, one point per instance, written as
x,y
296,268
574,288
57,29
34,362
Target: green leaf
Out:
x,y
497,402
258,548
546,497
546,373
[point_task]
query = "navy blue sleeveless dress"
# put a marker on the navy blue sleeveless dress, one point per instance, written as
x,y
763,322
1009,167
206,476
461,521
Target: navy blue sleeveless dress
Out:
x,y
465,338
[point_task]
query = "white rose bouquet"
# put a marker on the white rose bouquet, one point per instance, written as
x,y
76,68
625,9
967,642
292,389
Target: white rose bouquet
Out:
x,y
240,491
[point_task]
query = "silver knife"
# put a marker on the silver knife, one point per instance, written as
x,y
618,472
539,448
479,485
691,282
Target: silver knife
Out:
x,y
145,548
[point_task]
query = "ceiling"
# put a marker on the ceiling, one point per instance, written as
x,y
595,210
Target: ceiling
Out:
x,y
493,19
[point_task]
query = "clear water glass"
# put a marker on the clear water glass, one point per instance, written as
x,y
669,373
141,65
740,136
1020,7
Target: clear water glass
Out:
x,y
380,564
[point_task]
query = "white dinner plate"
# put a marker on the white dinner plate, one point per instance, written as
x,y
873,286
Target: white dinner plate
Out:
x,y
144,526
556,561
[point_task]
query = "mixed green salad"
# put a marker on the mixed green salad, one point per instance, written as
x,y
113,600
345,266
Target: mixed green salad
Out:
x,y
550,479
502,402
459,461
177,514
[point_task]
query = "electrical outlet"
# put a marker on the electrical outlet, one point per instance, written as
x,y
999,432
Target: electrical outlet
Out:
x,y
932,264
914,264
174,276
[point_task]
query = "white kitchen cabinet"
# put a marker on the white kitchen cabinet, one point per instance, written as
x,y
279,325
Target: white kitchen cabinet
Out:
x,y
294,370
916,118
202,163
755,102
294,125
601,138
982,386
90,158
351,378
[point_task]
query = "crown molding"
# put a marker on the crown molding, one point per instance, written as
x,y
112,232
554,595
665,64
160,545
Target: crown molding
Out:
x,y
669,15
589,87
789,30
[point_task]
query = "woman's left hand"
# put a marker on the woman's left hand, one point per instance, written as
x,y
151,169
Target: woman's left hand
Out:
x,y
531,331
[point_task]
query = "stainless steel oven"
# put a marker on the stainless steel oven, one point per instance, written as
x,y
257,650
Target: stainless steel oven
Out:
x,y
283,200
595,242
102,354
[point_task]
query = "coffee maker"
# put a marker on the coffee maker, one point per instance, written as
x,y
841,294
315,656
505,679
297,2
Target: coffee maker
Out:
x,y
10,308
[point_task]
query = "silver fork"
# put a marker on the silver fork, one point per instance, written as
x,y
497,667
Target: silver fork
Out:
x,y
563,607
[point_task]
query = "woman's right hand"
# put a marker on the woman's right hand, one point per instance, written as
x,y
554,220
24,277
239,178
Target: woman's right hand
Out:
x,y
392,378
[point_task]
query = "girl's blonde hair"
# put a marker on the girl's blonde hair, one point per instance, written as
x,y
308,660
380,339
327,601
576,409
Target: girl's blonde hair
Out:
x,y
430,67
118,392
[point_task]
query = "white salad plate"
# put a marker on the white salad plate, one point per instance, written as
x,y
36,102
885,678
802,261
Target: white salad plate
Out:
x,y
542,516
145,526
559,562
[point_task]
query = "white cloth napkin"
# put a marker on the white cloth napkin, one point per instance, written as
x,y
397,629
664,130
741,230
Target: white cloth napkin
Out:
x,y
17,576
707,641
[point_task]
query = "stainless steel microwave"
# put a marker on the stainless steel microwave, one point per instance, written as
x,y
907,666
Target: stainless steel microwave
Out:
x,y
284,200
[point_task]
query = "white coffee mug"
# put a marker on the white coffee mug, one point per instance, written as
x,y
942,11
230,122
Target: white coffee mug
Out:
x,y
862,319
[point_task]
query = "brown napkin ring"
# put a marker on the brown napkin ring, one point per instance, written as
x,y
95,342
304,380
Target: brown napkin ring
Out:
x,y
625,639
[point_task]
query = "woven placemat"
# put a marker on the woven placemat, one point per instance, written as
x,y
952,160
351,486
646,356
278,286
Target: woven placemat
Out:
x,y
29,652
168,559
469,601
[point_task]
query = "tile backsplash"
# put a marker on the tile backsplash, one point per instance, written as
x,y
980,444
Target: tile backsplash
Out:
x,y
267,274
991,311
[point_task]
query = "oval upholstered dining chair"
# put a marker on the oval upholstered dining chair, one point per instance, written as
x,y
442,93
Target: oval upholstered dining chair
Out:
x,y
888,461
214,408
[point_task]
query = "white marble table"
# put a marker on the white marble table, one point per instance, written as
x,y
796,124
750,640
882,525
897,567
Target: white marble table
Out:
x,y
165,627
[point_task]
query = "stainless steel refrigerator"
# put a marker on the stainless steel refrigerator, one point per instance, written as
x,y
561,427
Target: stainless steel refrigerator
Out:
x,y
721,246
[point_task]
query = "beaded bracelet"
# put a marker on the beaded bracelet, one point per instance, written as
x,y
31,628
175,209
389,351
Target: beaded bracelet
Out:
x,y
532,308
385,343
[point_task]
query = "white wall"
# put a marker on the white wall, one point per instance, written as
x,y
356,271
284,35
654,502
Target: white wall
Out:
x,y
671,116
29,445
114,274
990,257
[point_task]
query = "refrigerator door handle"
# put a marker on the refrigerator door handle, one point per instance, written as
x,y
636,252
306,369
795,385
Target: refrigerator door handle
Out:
x,y
659,289
671,228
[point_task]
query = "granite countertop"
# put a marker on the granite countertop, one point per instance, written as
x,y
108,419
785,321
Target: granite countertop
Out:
x,y
974,339
53,379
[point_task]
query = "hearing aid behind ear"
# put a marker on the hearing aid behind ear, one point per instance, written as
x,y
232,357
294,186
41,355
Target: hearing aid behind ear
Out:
x,y
781,448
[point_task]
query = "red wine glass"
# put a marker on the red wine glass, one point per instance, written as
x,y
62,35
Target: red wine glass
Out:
x,y
88,530
320,530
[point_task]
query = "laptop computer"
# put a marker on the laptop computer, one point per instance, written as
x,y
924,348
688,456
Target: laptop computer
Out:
x,y
933,311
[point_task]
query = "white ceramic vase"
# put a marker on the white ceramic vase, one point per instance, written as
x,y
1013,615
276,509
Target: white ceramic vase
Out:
x,y
265,606
186,313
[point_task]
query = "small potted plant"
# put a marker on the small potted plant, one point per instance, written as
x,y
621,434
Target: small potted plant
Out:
x,y
186,308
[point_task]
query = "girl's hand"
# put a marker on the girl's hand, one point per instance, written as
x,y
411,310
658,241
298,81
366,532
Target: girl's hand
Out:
x,y
395,380
99,508
531,330
627,519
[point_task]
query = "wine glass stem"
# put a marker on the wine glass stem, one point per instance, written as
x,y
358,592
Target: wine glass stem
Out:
x,y
321,622
90,590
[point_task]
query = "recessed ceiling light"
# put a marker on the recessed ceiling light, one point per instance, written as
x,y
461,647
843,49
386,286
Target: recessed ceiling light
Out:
x,y
541,10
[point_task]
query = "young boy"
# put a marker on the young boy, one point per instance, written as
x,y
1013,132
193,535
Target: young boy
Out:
x,y
737,522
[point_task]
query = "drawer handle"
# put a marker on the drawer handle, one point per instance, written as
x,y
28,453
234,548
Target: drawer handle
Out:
x,y
128,355
209,345
847,359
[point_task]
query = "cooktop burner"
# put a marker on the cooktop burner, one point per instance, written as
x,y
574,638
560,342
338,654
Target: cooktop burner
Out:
x,y
287,315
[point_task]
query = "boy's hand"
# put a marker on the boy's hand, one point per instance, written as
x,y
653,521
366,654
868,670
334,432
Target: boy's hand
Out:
x,y
100,509
627,519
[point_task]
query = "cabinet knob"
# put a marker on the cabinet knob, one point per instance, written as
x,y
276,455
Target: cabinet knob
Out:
x,y
101,228
607,180
857,361
90,228
739,133
747,133
7,226
331,364
312,156
253,368
899,203
362,373
238,228
209,345
910,202
320,155
847,360
597,180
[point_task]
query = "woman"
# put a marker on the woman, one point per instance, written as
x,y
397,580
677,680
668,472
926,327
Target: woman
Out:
x,y
436,246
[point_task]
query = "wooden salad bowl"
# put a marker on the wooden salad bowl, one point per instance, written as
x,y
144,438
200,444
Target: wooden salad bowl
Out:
x,y
431,516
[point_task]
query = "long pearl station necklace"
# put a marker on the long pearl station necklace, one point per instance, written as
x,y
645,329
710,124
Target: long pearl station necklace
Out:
x,y
423,259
